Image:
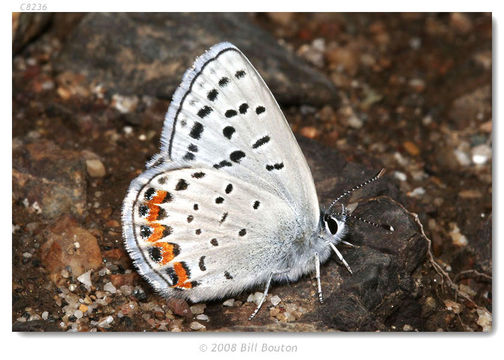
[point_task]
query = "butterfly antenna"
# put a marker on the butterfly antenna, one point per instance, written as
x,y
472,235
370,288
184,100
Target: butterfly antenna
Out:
x,y
348,192
383,226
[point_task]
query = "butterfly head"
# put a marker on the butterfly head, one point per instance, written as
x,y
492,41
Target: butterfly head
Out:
x,y
333,225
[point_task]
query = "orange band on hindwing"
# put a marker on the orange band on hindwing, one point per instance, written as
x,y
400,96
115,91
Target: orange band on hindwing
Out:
x,y
183,275
168,251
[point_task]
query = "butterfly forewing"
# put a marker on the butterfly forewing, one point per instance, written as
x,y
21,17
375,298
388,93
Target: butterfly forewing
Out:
x,y
224,116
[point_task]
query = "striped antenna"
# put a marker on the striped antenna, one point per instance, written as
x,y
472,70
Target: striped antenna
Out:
x,y
383,226
348,192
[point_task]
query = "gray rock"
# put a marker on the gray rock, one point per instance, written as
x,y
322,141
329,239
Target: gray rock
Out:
x,y
146,54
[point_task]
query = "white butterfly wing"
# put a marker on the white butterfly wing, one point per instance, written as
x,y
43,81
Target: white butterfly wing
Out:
x,y
223,122
223,115
202,230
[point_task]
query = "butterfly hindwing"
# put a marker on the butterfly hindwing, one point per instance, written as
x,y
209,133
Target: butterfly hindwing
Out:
x,y
202,230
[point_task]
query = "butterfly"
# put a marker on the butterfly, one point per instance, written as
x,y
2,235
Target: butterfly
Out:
x,y
229,202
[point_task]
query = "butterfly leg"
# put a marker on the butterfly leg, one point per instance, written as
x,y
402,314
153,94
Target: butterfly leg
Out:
x,y
317,274
340,257
263,298
266,291
347,243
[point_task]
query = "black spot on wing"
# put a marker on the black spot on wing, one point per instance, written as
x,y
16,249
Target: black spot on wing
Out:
x,y
202,263
167,230
223,218
229,188
145,231
236,156
260,110
223,81
230,113
190,218
161,214
261,142
214,242
143,210
222,164
212,95
196,207
155,254
240,74
276,166
192,148
189,156
149,193
198,175
204,111
196,130
172,275
181,185
256,204
227,275
197,231
228,131
243,108
219,200
242,232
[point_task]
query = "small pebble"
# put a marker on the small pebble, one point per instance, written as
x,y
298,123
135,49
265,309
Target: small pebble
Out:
x,y
418,192
407,327
255,298
481,154
355,122
400,176
198,309
105,323
78,314
458,239
202,317
484,319
197,326
275,300
124,104
110,288
95,168
453,306
86,279
45,315
72,287
462,157
310,132
229,302
411,148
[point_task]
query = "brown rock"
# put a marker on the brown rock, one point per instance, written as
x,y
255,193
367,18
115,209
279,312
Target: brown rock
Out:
x,y
119,280
69,245
310,132
344,57
95,168
179,307
411,148
54,178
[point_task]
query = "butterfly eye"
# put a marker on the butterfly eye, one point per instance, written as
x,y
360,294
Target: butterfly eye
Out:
x,y
332,225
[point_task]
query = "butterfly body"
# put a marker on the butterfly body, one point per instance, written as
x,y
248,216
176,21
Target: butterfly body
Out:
x,y
229,201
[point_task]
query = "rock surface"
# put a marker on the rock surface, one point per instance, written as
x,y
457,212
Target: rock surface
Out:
x,y
143,60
